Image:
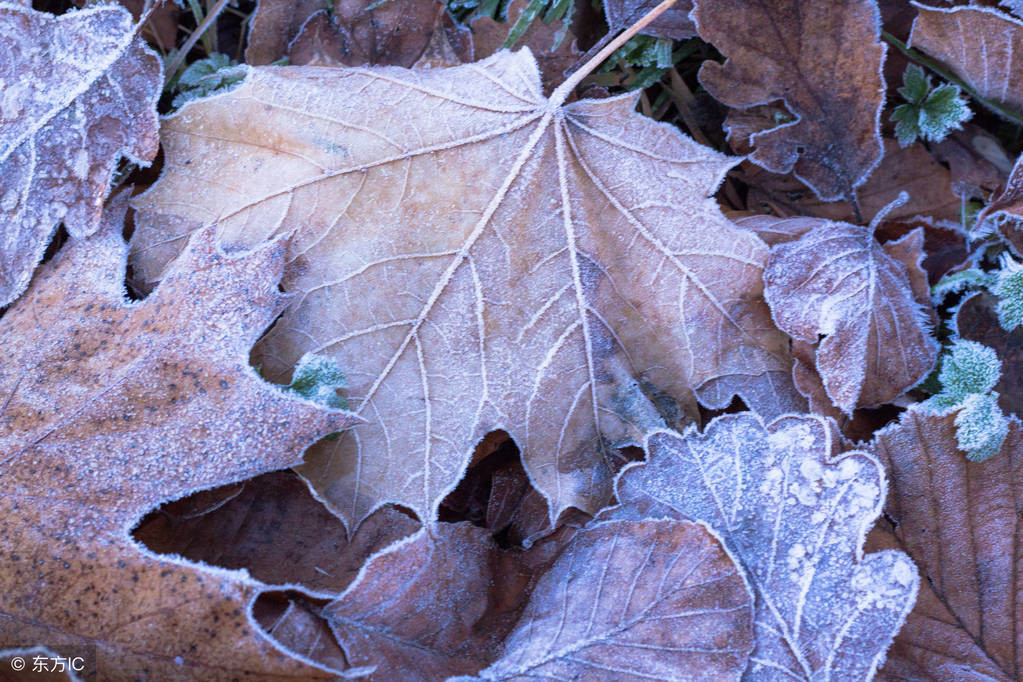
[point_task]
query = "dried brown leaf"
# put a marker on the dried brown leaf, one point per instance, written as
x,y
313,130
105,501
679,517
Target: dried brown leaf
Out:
x,y
979,44
793,513
823,61
272,527
499,262
77,93
274,24
837,281
361,32
960,522
912,170
111,407
663,591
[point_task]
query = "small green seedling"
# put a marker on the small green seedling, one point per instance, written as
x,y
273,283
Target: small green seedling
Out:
x,y
929,113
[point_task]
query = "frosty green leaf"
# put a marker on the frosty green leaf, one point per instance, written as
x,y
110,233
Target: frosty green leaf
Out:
x,y
216,73
968,373
981,427
318,378
1009,288
928,114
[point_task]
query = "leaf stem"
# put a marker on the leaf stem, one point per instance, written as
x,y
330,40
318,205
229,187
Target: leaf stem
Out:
x,y
929,63
562,92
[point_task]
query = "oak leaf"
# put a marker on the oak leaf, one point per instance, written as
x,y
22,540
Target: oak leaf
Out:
x,y
870,302
823,61
663,591
111,407
960,522
979,44
793,513
502,261
77,92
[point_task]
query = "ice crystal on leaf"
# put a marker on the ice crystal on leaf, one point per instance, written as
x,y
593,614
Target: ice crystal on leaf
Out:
x,y
968,373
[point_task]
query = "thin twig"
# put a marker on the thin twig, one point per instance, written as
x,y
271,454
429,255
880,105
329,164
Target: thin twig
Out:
x,y
925,61
562,92
172,68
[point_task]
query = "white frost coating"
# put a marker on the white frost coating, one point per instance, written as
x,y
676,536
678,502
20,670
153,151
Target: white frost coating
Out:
x,y
58,77
475,257
824,610
838,281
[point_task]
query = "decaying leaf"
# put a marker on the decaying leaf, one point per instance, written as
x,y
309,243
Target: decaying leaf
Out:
x,y
960,522
111,407
274,24
358,32
823,61
273,528
793,512
837,281
503,262
624,600
979,44
77,92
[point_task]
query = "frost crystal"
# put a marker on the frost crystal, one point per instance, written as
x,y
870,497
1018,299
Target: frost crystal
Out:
x,y
1009,288
981,427
968,373
928,114
318,378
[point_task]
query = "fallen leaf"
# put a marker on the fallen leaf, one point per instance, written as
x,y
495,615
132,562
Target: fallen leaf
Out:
x,y
553,45
77,93
505,262
112,407
976,319
978,44
674,23
977,163
274,24
361,32
793,513
838,282
911,169
272,527
944,248
960,523
664,591
834,143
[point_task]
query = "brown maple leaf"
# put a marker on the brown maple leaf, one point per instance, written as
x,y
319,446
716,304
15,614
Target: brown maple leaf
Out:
x,y
111,407
476,256
871,303
960,521
77,92
823,61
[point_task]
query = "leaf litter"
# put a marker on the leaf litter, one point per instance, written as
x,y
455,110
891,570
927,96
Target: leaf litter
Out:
x,y
606,382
